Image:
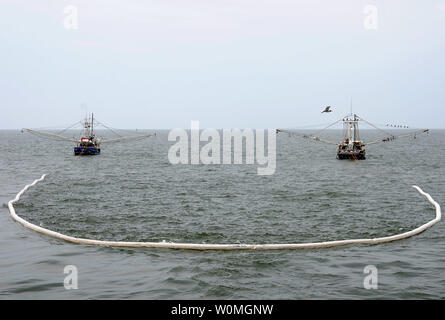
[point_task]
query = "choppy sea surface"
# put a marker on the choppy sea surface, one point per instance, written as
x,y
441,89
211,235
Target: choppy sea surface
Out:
x,y
131,192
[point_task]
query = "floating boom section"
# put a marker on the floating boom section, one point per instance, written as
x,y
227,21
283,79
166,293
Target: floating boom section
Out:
x,y
211,246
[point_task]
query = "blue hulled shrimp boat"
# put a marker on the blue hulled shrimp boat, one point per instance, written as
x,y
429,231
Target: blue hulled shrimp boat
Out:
x,y
88,144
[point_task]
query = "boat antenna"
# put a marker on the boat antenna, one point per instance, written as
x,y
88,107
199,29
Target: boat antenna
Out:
x,y
351,107
85,107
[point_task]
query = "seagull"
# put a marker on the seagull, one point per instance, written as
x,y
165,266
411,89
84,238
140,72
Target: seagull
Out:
x,y
327,109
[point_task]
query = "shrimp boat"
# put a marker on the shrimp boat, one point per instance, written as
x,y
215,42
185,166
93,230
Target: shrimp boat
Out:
x,y
351,146
88,144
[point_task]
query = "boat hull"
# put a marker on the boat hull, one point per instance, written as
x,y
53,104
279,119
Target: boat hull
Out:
x,y
86,151
360,155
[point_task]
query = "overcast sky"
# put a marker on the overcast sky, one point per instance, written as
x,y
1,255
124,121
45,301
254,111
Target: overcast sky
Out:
x,y
227,63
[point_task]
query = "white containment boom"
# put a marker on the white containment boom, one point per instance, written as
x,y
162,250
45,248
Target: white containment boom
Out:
x,y
201,246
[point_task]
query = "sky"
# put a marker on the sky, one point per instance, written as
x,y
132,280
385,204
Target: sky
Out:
x,y
226,63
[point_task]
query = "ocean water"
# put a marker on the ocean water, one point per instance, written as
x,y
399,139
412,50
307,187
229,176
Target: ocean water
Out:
x,y
132,193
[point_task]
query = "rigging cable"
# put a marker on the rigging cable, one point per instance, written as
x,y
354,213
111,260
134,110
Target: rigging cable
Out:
x,y
78,122
49,134
111,129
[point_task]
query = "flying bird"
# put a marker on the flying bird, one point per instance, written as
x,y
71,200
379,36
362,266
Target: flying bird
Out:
x,y
327,109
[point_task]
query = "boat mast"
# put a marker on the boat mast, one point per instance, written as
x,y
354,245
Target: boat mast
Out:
x,y
356,131
87,128
351,132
